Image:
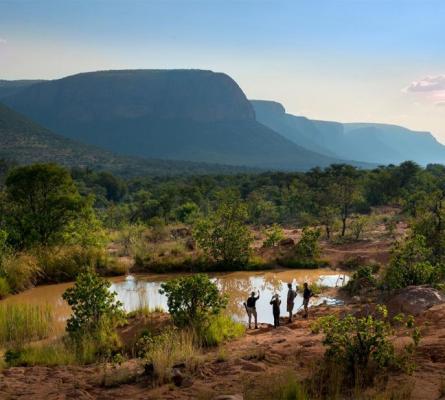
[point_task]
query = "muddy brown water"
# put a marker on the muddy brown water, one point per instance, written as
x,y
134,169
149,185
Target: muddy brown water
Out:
x,y
136,290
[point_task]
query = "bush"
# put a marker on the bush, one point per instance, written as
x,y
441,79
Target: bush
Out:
x,y
358,225
410,265
307,247
64,263
21,323
363,278
20,270
273,236
94,307
361,345
192,300
303,264
224,235
220,329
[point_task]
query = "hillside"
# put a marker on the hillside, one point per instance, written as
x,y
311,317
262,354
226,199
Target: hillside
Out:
x,y
23,141
369,142
189,115
9,88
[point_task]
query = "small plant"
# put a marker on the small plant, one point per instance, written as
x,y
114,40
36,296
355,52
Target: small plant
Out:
x,y
358,225
273,235
93,305
192,300
362,344
220,329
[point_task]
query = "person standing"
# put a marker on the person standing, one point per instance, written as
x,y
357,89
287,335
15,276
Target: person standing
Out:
x,y
275,303
307,294
291,295
251,308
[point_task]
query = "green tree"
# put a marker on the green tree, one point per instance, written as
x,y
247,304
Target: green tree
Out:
x,y
93,305
273,234
411,264
224,235
41,201
192,300
308,247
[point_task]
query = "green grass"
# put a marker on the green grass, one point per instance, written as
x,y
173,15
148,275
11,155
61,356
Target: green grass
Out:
x,y
42,354
221,329
22,323
295,263
4,288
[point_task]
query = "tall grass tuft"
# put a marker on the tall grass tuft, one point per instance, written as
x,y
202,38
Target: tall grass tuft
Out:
x,y
21,271
170,348
22,323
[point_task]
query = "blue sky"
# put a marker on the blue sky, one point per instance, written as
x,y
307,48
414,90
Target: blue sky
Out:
x,y
362,60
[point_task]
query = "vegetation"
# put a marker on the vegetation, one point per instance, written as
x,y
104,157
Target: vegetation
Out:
x,y
94,307
21,323
193,300
224,235
362,345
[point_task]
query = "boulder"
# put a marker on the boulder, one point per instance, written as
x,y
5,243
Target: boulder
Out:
x,y
180,233
287,242
414,300
177,376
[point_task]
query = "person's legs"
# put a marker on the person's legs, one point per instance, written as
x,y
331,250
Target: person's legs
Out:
x,y
255,316
306,303
249,314
290,309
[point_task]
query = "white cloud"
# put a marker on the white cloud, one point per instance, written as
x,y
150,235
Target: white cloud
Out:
x,y
428,84
3,41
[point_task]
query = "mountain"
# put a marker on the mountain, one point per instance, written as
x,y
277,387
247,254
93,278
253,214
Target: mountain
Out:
x,y
368,142
9,88
192,115
24,141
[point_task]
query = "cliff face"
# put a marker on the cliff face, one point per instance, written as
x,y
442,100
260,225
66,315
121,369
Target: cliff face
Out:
x,y
190,115
202,96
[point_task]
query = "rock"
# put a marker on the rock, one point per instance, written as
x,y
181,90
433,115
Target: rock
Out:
x,y
229,397
252,367
287,242
414,300
177,377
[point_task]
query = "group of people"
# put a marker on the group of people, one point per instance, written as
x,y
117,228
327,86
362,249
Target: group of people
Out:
x,y
275,302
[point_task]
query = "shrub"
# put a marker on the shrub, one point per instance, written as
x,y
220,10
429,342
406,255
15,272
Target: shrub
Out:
x,y
361,279
64,263
361,345
93,305
192,300
308,247
20,270
358,225
224,235
220,329
410,264
21,323
273,236
44,354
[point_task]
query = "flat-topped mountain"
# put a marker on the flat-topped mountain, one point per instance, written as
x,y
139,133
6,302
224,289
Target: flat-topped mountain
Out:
x,y
190,115
369,142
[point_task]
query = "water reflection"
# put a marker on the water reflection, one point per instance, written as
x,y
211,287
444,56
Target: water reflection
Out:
x,y
141,290
134,291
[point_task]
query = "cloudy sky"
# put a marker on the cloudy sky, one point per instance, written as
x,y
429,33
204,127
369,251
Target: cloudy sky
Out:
x,y
345,60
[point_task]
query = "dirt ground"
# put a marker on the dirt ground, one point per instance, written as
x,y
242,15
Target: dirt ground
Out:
x,y
232,369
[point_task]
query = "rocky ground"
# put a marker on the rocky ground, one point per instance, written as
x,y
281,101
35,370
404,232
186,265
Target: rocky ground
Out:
x,y
249,365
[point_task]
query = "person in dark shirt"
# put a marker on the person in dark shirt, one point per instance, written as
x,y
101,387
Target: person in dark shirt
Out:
x,y
275,303
307,294
251,308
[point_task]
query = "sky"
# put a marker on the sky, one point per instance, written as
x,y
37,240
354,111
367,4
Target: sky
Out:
x,y
342,60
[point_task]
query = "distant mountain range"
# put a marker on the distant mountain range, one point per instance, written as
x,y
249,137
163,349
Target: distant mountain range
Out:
x,y
188,115
24,141
369,142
